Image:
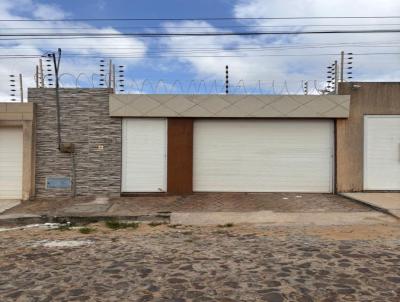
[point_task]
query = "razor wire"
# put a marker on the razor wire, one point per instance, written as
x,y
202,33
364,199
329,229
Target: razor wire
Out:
x,y
197,86
191,86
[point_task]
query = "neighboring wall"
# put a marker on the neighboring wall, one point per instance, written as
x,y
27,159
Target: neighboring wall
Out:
x,y
23,115
369,98
85,121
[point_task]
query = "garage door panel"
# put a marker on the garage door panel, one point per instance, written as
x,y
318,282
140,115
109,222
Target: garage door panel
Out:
x,y
382,152
144,155
11,163
263,156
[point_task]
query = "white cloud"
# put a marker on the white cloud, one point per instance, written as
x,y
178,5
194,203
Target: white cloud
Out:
x,y
247,67
315,8
43,11
101,4
74,66
251,69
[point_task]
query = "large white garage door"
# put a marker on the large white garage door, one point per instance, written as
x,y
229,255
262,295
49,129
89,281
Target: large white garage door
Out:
x,y
263,155
382,152
144,147
10,163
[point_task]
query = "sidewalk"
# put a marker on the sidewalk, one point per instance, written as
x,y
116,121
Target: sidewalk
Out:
x,y
6,204
232,207
385,202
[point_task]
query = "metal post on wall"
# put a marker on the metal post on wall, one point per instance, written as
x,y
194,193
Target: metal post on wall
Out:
x,y
336,76
305,88
226,79
21,88
349,67
37,76
12,87
341,66
56,62
110,74
113,73
41,73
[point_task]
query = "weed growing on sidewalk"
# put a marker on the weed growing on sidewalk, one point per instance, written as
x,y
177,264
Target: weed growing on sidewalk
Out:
x,y
116,225
86,230
174,226
226,225
156,223
64,227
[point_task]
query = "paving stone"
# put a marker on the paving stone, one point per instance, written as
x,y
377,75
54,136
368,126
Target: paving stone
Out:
x,y
273,297
241,265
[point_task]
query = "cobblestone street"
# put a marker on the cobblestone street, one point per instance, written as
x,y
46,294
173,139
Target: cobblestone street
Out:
x,y
176,263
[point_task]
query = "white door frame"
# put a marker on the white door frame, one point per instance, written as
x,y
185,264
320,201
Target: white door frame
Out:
x,y
123,158
365,142
19,130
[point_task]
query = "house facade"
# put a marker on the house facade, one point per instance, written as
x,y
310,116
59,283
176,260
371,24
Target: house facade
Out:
x,y
179,144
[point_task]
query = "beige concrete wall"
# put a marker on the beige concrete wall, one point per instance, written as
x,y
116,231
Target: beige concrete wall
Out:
x,y
23,115
237,106
369,98
16,111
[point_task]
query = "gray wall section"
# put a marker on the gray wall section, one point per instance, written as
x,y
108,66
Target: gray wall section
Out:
x,y
85,121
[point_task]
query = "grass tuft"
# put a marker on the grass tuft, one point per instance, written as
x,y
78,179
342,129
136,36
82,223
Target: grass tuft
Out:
x,y
174,226
156,223
116,225
86,230
64,227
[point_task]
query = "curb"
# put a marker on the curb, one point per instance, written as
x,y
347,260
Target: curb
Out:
x,y
22,220
370,205
163,217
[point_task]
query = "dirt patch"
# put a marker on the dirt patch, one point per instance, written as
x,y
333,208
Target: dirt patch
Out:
x,y
357,232
62,243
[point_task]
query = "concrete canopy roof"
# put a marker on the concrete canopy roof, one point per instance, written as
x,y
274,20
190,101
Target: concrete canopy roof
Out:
x,y
234,106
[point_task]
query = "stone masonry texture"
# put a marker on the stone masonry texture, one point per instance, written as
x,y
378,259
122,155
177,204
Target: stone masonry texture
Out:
x,y
85,122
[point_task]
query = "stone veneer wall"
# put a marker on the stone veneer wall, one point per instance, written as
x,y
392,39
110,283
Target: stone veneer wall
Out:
x,y
85,121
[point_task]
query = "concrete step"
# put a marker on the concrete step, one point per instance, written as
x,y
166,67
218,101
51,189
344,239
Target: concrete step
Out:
x,y
27,219
388,203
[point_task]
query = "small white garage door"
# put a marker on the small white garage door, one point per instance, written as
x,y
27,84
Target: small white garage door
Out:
x,y
263,155
11,163
382,152
144,148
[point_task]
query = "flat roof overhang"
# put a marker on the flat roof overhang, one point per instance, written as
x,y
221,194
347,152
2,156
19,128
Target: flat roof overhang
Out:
x,y
229,106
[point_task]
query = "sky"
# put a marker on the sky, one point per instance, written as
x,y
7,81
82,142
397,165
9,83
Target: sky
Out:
x,y
257,64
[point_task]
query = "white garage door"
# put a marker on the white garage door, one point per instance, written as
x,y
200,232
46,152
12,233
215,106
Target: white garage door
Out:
x,y
10,163
382,152
263,155
144,147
